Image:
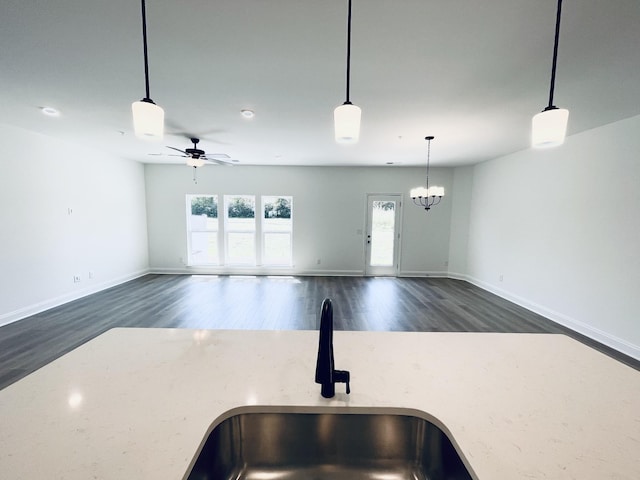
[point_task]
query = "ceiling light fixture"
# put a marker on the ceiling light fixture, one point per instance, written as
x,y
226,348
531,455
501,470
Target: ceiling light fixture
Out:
x,y
346,117
50,111
427,196
148,118
247,113
549,127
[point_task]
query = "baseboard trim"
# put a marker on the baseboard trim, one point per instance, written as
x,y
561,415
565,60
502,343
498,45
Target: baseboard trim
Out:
x,y
254,271
39,307
594,333
285,271
422,274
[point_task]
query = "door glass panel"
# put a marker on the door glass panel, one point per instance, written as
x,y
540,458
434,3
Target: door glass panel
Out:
x,y
383,218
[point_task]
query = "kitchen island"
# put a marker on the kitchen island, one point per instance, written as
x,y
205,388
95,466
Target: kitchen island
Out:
x,y
138,403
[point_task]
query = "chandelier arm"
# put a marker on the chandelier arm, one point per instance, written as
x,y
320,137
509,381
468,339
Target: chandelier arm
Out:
x,y
555,57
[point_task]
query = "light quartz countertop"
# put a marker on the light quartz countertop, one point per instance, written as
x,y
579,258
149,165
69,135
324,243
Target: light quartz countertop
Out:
x,y
138,403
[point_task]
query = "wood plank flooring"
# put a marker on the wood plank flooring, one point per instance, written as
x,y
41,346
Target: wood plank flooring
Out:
x,y
268,303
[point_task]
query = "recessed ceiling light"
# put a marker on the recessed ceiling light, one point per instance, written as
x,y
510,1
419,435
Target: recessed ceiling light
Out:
x,y
247,113
50,111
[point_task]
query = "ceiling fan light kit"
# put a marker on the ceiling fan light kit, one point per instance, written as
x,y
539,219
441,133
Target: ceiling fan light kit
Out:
x,y
549,127
148,118
346,117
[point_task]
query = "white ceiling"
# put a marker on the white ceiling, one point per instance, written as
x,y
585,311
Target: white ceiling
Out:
x,y
472,73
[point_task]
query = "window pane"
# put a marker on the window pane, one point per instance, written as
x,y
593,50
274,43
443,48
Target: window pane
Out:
x,y
277,207
241,207
277,248
202,228
382,233
207,206
204,248
277,226
241,248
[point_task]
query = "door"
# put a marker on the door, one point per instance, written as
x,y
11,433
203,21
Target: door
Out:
x,y
382,245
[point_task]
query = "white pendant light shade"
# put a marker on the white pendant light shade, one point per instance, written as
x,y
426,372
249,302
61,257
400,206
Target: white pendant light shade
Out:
x,y
346,120
548,128
419,192
148,120
435,191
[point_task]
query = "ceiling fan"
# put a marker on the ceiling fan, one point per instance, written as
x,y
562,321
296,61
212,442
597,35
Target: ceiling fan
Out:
x,y
197,157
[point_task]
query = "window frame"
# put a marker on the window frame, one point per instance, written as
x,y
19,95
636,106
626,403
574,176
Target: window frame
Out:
x,y
191,230
264,231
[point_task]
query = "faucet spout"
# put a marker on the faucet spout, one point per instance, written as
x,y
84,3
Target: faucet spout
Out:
x,y
326,374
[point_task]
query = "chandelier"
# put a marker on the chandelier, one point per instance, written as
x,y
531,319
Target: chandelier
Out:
x,y
427,196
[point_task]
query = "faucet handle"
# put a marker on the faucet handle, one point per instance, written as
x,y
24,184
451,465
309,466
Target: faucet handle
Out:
x,y
342,376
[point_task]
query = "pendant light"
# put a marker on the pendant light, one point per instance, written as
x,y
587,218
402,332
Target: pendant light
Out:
x,y
549,127
346,117
148,118
427,196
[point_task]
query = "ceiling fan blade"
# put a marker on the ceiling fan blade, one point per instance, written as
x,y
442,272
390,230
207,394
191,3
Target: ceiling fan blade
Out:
x,y
166,155
177,149
217,162
218,156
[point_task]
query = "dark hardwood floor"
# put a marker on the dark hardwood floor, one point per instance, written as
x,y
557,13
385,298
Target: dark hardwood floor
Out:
x,y
268,303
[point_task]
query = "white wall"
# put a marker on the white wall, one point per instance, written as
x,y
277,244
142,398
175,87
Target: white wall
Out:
x,y
329,206
42,246
460,215
562,227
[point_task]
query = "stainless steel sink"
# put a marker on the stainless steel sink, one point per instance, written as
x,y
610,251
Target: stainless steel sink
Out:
x,y
319,446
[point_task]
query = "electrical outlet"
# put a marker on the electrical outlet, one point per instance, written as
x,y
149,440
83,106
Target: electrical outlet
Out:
x,y
501,278
318,262
76,279
90,274
446,264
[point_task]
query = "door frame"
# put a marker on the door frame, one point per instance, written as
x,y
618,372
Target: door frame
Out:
x,y
395,269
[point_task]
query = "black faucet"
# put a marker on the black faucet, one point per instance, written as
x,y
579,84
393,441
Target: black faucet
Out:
x,y
326,375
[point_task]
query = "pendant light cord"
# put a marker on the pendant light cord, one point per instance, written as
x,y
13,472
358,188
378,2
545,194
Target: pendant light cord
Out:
x,y
348,102
555,57
144,46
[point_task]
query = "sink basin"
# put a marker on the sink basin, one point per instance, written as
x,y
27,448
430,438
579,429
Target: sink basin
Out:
x,y
319,446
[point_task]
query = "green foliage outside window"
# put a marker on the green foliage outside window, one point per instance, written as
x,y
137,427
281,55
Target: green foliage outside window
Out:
x,y
386,206
281,208
204,206
241,207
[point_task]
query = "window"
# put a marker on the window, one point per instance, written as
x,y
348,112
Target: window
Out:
x,y
277,227
236,235
240,229
202,230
